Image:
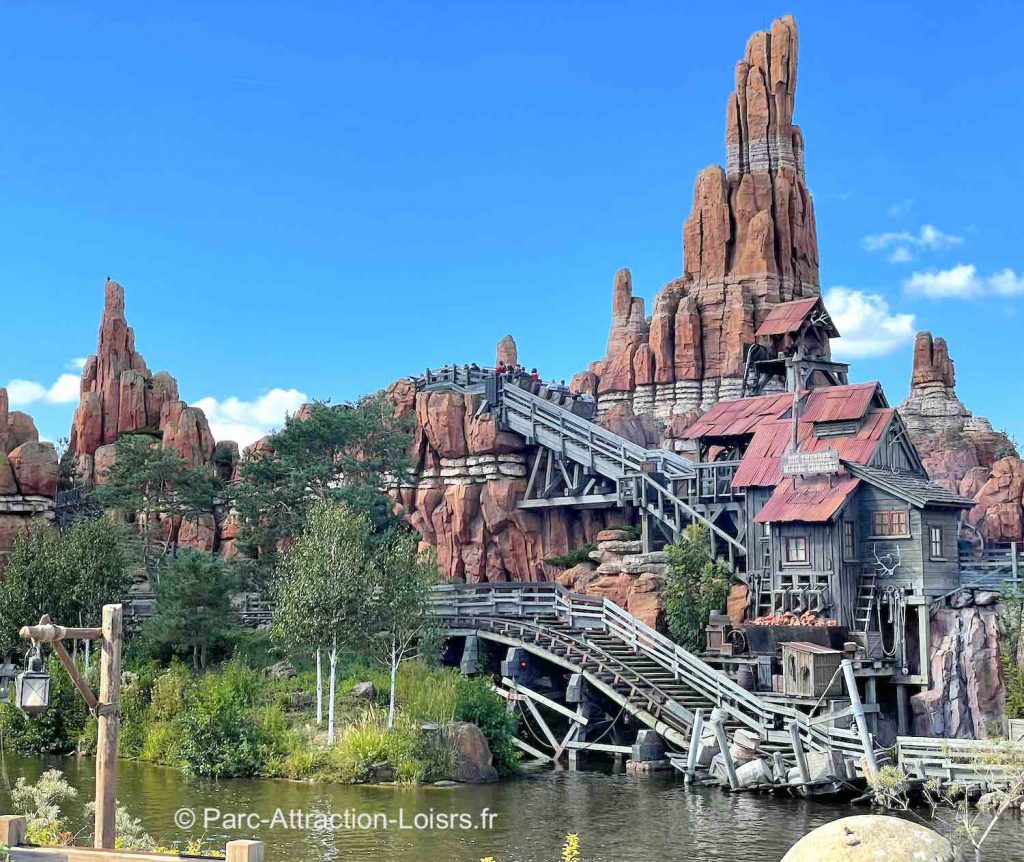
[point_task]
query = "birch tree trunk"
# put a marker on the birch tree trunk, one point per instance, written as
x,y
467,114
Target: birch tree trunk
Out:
x,y
394,683
333,657
319,689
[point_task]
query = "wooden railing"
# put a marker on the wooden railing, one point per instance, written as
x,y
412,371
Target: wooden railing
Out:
x,y
13,831
998,567
643,476
553,603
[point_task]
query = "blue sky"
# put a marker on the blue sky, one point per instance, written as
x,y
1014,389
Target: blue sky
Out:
x,y
318,198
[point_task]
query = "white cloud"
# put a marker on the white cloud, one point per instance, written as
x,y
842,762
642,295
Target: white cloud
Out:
x,y
963,282
75,364
904,244
246,421
1006,283
867,325
64,390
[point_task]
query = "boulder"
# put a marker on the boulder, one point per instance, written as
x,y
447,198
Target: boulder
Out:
x,y
283,669
364,690
473,760
36,469
869,838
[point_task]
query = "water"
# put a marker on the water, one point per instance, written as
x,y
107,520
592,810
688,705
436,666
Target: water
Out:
x,y
619,818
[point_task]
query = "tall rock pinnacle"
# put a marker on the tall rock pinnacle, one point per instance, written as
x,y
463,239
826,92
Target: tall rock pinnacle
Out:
x,y
749,243
119,395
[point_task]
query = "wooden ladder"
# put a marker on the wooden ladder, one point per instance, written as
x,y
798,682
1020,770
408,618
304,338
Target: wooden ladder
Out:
x,y
866,597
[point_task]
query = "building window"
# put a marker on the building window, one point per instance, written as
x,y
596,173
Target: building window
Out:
x,y
894,523
849,540
935,542
796,549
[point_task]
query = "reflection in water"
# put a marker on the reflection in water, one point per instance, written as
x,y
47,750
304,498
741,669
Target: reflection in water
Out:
x,y
619,818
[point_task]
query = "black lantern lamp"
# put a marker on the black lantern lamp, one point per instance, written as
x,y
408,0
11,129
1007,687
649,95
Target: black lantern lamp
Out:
x,y
32,686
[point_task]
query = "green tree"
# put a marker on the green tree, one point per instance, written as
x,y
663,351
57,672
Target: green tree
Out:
x,y
193,605
152,484
67,574
336,453
320,591
397,624
697,584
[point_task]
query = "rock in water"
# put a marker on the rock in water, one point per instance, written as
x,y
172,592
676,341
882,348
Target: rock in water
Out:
x,y
870,838
472,754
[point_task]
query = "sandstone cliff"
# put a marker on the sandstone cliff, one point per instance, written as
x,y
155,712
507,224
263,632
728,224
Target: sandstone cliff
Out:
x,y
120,395
962,451
28,474
748,244
467,479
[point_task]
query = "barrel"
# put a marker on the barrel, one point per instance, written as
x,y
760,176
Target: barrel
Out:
x,y
755,772
744,746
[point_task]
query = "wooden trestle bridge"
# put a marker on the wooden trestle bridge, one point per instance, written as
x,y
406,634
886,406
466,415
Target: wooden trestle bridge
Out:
x,y
589,465
632,667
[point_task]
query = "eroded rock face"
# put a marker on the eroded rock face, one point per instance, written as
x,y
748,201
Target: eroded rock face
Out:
x,y
621,573
749,243
120,395
959,450
967,695
28,475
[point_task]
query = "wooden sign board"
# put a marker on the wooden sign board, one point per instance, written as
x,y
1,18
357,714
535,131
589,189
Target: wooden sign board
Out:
x,y
810,463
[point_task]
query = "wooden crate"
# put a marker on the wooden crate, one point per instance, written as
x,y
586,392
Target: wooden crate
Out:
x,y
809,670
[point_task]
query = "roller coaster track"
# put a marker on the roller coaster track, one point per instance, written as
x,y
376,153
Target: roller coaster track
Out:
x,y
645,478
648,675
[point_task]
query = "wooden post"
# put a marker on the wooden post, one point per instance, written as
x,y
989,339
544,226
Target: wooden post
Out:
x,y
244,851
723,744
798,753
13,829
109,716
1014,563
858,717
691,759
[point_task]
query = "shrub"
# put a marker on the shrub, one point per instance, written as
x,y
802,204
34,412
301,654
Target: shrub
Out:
x,y
220,737
41,805
476,702
55,731
573,558
697,584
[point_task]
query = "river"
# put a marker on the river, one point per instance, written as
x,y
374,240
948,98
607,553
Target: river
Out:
x,y
619,818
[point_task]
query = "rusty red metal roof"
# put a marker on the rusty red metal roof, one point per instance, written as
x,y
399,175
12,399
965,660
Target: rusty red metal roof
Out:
x,y
836,403
787,317
762,463
739,417
813,500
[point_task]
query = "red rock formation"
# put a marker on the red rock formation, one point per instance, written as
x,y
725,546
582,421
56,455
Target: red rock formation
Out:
x,y
507,353
28,474
749,243
959,450
119,395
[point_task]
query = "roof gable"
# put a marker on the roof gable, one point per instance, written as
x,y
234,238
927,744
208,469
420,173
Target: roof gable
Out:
x,y
739,417
918,492
815,500
787,317
835,403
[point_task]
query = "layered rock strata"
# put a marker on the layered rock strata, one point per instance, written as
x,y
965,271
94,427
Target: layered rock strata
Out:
x,y
960,450
622,573
120,395
466,481
29,473
750,243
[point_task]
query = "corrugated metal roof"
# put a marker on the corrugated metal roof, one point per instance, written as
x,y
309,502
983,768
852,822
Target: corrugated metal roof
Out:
x,y
813,500
739,417
786,317
762,463
836,403
917,492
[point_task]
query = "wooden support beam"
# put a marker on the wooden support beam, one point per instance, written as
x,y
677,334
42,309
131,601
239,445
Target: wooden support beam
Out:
x,y
46,633
76,677
530,705
605,747
523,693
798,753
723,745
529,749
109,717
691,758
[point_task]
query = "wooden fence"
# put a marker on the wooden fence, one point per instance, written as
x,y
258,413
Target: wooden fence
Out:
x,y
999,566
13,832
970,761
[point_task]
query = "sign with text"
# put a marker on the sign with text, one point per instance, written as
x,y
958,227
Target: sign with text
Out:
x,y
810,463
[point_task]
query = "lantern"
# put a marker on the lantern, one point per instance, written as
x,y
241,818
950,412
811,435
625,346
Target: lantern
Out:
x,y
33,686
